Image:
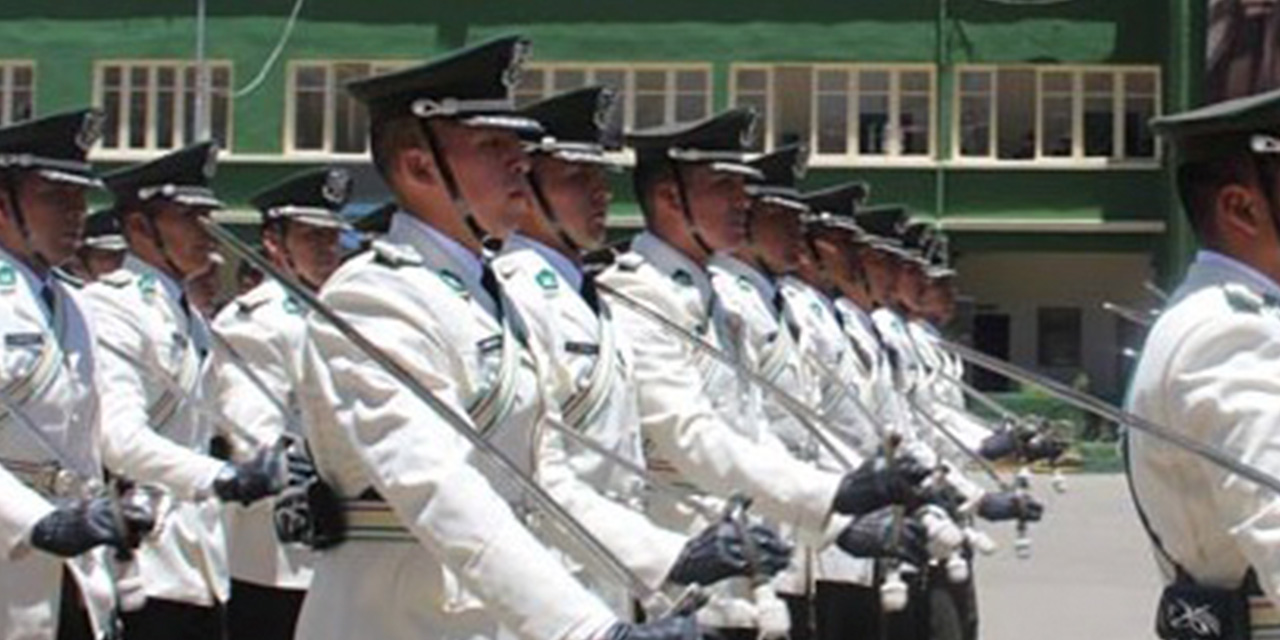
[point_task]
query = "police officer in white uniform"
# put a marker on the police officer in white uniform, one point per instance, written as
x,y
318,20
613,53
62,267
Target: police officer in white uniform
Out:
x,y
257,343
589,364
54,511
157,423
1209,370
690,181
435,543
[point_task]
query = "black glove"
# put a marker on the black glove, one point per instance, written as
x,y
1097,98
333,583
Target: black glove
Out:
x,y
1043,446
1009,505
77,527
1028,444
718,552
875,485
871,536
673,628
1000,445
254,480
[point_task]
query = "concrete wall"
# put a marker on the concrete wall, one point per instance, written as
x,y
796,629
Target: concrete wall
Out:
x,y
1019,283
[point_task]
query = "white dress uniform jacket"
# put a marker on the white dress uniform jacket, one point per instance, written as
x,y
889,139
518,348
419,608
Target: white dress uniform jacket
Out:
x,y
420,296
687,440
941,396
152,434
47,370
588,373
263,331
1210,370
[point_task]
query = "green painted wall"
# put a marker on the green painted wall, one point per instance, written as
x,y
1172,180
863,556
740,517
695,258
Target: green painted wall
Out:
x,y
66,37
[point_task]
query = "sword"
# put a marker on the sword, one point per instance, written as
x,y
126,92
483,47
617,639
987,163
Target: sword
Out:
x,y
234,357
1132,315
1101,408
652,598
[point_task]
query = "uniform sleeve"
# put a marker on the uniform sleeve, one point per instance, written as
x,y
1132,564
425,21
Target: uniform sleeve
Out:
x,y
424,469
253,418
681,428
20,510
1224,381
130,447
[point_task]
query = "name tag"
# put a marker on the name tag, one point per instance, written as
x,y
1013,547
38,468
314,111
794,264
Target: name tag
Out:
x,y
24,340
492,343
582,348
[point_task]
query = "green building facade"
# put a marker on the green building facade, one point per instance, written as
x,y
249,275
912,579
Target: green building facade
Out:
x,y
1019,127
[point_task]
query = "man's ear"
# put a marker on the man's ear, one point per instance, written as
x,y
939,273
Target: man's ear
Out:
x,y
1240,211
417,165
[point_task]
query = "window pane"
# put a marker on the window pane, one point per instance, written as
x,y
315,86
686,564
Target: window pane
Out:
x,y
349,116
793,101
975,81
568,79
138,117
189,104
1057,82
1099,127
22,97
869,81
752,80
1056,127
220,118
1099,82
913,122
690,107
975,126
1143,82
615,79
111,107
1059,336
166,107
832,80
873,124
691,81
1015,114
1138,139
915,81
833,124
651,81
308,109
651,110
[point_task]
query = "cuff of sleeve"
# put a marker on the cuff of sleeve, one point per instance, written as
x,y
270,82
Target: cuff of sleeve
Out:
x,y
24,513
813,513
201,486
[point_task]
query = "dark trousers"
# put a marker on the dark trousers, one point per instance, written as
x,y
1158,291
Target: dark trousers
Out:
x,y
73,619
852,612
800,609
737,633
954,607
169,620
258,612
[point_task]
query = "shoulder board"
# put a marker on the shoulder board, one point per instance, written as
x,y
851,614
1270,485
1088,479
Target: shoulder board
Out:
x,y
629,261
69,279
120,278
1243,299
390,255
250,302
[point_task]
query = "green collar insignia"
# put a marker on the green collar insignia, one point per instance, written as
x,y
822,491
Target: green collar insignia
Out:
x,y
292,307
547,280
682,277
147,284
8,277
450,278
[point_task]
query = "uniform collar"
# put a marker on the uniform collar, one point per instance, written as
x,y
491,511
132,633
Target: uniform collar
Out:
x,y
34,282
172,288
408,229
848,307
571,273
672,263
810,290
1213,262
764,284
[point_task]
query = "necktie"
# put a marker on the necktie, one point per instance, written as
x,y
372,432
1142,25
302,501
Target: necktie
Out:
x,y
590,294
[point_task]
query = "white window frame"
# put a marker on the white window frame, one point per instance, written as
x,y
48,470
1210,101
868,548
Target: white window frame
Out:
x,y
7,67
331,92
1077,159
151,150
852,158
630,69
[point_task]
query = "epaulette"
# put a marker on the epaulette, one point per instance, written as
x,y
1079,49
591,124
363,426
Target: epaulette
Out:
x,y
394,256
120,278
69,279
1243,299
251,301
629,262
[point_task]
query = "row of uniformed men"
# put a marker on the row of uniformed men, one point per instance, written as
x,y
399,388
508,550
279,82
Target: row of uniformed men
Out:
x,y
752,341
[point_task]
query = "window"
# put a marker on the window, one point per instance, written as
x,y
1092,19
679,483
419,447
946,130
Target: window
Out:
x,y
17,91
649,95
841,112
1059,336
322,116
151,106
1056,113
